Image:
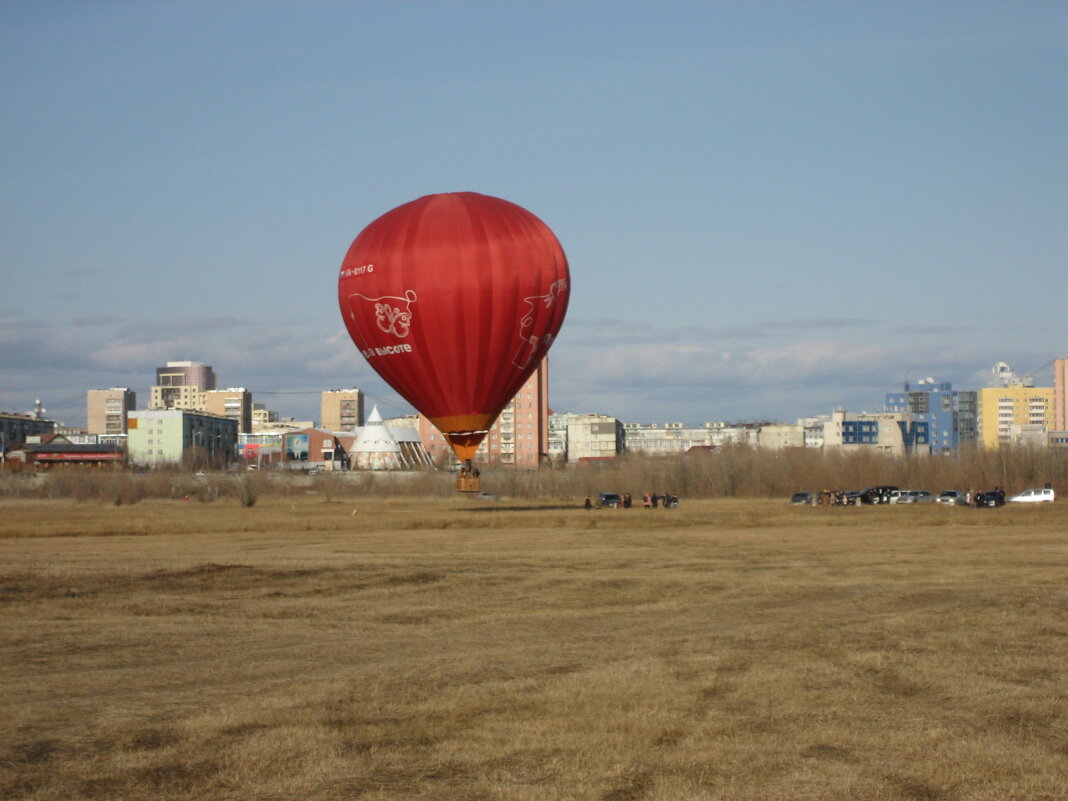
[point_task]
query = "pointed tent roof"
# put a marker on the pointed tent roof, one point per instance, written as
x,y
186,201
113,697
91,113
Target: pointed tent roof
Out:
x,y
375,437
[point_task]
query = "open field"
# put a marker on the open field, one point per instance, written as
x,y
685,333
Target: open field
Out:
x,y
450,649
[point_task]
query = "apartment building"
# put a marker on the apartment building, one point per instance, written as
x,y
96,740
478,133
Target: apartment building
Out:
x,y
594,436
948,413
778,436
234,403
106,409
519,437
341,409
721,433
192,386
656,439
262,417
163,436
179,385
893,433
16,428
1013,414
1060,398
813,428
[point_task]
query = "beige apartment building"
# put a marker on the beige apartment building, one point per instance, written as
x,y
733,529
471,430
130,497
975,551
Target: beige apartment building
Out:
x,y
262,416
883,432
175,397
341,409
234,403
779,436
106,409
594,436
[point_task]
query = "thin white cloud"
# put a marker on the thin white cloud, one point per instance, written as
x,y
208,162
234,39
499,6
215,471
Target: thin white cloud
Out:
x,y
96,320
931,330
698,364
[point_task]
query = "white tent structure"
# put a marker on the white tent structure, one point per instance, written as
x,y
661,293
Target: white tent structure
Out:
x,y
376,448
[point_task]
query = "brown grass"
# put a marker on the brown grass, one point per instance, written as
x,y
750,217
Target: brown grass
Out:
x,y
455,649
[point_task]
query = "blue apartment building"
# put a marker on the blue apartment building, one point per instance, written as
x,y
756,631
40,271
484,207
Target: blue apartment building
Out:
x,y
914,435
860,432
943,418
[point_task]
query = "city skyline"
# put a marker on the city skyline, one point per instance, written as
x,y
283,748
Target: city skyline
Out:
x,y
769,209
313,405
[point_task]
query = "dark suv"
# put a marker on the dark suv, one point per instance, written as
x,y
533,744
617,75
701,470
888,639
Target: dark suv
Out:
x,y
880,494
609,500
992,498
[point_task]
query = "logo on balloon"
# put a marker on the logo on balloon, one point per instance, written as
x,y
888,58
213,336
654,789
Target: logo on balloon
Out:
x,y
540,306
393,315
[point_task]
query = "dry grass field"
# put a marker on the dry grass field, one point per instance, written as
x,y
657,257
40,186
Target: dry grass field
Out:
x,y
311,648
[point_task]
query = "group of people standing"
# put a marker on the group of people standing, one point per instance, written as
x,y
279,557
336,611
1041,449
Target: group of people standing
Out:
x,y
650,500
832,498
974,498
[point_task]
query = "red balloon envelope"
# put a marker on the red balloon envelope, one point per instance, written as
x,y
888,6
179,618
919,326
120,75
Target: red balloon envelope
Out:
x,y
454,299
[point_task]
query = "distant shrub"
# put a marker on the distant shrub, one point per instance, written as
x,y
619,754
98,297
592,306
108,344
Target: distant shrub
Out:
x,y
246,493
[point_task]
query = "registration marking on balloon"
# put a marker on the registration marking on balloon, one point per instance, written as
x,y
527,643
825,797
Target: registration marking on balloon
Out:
x,y
539,304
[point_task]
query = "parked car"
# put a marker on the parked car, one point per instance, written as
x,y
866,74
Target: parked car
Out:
x,y
609,500
853,497
880,494
992,498
802,498
1034,496
916,496
895,495
952,497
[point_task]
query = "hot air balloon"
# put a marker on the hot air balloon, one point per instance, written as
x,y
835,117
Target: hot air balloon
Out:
x,y
454,299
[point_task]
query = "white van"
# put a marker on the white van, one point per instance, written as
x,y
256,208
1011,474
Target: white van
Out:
x,y
1034,496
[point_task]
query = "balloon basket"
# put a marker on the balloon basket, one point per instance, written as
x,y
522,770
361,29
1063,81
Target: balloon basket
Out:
x,y
468,484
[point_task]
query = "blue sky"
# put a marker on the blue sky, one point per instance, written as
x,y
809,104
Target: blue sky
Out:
x,y
769,209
